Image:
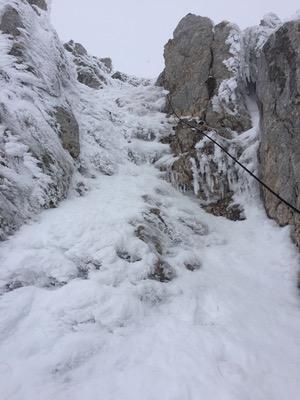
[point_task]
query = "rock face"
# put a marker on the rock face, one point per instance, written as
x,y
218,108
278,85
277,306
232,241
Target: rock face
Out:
x,y
56,133
204,79
278,90
35,168
188,59
254,39
202,168
210,71
11,22
39,3
202,73
90,70
68,130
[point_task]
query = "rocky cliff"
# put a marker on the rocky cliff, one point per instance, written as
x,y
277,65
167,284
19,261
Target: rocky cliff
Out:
x,y
48,146
278,91
204,77
39,139
213,74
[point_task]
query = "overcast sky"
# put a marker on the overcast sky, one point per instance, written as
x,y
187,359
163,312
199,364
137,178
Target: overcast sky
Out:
x,y
133,32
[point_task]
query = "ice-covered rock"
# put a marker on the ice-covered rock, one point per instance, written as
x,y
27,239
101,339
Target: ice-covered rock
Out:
x,y
254,39
91,71
35,78
203,74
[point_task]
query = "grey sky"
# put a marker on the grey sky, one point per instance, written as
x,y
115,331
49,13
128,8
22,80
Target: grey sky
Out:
x,y
133,32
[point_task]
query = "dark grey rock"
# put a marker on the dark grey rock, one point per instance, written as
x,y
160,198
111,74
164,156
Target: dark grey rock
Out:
x,y
188,59
11,22
278,90
202,73
89,78
68,131
89,69
119,76
39,3
107,62
76,48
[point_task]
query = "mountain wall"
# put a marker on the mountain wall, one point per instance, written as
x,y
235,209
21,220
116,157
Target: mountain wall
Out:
x,y
43,132
278,91
214,74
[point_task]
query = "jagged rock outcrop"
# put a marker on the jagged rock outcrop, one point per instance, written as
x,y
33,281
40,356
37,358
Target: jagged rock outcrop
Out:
x,y
209,73
91,70
278,90
202,168
188,59
55,134
202,73
204,79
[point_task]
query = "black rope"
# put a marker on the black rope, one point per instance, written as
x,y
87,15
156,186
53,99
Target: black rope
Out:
x,y
234,159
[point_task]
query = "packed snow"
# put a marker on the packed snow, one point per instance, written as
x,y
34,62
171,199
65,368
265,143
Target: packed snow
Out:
x,y
82,314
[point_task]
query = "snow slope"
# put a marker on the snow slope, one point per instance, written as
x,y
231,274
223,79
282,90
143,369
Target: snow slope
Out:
x,y
84,314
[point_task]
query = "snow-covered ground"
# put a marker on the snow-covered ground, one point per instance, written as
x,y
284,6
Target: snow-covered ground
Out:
x,y
81,316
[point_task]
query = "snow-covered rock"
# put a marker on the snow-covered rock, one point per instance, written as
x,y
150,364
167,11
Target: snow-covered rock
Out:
x,y
35,80
91,71
254,39
50,133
